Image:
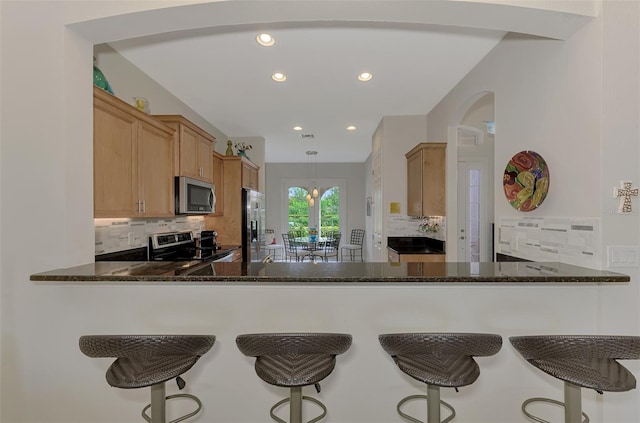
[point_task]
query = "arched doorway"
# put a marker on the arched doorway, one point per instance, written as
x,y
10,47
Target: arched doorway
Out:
x,y
470,201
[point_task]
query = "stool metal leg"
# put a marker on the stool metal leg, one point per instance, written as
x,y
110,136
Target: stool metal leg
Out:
x,y
158,403
295,407
572,403
433,406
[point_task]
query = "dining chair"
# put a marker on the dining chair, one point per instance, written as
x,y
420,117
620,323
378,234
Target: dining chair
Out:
x,y
292,249
331,246
355,245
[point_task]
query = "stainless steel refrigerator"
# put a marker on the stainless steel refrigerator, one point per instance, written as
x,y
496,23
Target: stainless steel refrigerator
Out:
x,y
253,221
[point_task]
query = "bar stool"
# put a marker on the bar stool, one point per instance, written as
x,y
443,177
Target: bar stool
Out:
x,y
150,360
439,360
294,360
587,361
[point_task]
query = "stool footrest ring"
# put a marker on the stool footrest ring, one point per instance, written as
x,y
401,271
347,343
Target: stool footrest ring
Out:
x,y
548,400
179,419
413,419
304,397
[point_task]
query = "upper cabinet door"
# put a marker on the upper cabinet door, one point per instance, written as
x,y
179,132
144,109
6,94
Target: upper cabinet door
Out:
x,y
133,161
155,164
249,175
193,148
189,152
414,184
114,161
205,147
426,180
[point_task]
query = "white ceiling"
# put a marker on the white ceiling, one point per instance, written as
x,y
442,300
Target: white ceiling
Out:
x,y
224,75
226,78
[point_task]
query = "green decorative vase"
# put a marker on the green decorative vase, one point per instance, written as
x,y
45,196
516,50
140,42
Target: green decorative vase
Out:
x,y
99,79
241,153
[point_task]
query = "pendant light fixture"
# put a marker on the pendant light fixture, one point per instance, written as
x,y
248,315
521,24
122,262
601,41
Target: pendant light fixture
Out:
x,y
311,157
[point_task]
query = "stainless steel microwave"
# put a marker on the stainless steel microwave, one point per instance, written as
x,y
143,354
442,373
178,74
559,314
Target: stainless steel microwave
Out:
x,y
194,197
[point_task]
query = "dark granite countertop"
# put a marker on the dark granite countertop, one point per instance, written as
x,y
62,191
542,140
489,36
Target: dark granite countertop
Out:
x,y
330,273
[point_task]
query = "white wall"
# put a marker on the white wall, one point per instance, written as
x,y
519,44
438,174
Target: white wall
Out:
x,y
395,136
46,137
576,103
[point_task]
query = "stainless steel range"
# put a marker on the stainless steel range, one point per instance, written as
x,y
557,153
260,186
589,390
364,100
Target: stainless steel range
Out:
x,y
183,246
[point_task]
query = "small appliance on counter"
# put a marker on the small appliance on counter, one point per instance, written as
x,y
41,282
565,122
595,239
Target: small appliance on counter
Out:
x,y
207,242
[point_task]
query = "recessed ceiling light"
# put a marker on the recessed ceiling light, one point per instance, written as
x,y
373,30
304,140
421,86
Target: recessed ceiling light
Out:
x,y
365,76
265,39
297,128
279,77
351,128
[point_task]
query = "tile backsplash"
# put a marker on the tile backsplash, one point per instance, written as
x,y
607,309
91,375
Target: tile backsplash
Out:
x,y
122,234
563,239
403,225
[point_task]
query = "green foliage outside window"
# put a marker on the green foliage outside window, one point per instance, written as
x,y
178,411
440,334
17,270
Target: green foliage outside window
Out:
x,y
299,211
330,211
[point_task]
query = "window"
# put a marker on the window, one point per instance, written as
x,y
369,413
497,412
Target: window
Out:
x,y
298,213
330,211
328,214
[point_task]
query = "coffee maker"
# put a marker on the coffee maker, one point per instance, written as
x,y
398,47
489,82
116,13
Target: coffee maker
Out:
x,y
208,242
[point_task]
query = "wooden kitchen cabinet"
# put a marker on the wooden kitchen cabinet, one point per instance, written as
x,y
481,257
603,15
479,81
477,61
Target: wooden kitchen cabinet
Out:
x,y
193,148
426,180
249,175
237,255
229,225
133,161
417,258
218,182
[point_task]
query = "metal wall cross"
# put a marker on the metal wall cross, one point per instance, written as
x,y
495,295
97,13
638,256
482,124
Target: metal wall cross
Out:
x,y
625,192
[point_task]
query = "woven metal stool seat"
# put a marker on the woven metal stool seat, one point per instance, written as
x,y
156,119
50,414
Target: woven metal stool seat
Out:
x,y
149,360
294,360
438,360
581,361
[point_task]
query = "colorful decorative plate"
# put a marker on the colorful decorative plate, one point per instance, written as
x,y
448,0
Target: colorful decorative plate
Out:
x,y
526,180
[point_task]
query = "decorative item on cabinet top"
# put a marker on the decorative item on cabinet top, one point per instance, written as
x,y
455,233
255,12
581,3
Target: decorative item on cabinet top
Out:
x,y
99,79
242,148
142,104
526,180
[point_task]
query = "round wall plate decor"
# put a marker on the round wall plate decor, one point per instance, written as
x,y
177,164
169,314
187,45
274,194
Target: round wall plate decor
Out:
x,y
526,180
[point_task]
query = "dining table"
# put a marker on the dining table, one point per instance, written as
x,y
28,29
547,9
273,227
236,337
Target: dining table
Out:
x,y
308,245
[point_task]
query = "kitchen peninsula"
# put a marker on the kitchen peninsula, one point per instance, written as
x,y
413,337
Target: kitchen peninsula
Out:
x,y
361,299
331,273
